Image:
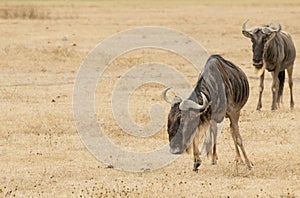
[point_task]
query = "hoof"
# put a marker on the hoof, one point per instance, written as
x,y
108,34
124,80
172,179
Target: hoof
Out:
x,y
250,166
196,166
274,109
258,108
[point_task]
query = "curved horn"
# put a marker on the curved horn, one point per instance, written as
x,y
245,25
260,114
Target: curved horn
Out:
x,y
244,25
279,27
176,100
164,94
251,30
189,104
268,29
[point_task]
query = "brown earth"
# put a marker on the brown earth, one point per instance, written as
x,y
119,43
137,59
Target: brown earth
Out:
x,y
42,46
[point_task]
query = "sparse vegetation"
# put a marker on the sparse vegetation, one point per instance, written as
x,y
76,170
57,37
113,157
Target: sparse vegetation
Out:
x,y
42,46
24,12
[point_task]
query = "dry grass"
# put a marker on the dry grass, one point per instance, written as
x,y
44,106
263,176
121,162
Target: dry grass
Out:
x,y
41,153
62,52
24,12
147,3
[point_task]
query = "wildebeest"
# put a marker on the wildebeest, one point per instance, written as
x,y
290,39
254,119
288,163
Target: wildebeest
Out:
x,y
221,91
273,50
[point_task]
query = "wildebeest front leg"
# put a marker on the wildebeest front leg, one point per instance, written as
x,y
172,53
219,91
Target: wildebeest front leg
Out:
x,y
209,146
275,87
261,89
196,153
214,132
201,131
290,72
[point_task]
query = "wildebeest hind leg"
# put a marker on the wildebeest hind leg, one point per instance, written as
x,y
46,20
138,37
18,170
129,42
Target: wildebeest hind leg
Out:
x,y
238,155
290,72
234,117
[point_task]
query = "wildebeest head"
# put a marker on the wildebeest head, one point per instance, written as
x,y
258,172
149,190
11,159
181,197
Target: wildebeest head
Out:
x,y
183,120
259,37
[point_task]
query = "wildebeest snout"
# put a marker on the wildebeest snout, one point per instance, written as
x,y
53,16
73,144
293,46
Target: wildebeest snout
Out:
x,y
176,146
257,63
176,150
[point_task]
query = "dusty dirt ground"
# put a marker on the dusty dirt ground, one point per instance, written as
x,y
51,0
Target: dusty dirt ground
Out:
x,y
42,46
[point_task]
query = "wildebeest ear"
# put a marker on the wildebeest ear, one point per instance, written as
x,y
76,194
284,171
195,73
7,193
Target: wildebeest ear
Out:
x,y
247,34
176,100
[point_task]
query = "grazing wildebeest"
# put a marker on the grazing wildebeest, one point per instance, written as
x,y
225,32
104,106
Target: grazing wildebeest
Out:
x,y
221,91
273,50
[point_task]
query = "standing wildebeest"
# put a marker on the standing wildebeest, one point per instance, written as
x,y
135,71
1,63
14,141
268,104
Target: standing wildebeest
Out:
x,y
275,50
221,91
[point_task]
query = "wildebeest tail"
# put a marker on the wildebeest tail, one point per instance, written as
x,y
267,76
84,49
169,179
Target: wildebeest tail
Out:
x,y
281,77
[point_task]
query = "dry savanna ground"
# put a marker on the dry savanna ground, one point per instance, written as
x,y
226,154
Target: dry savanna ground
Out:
x,y
42,46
